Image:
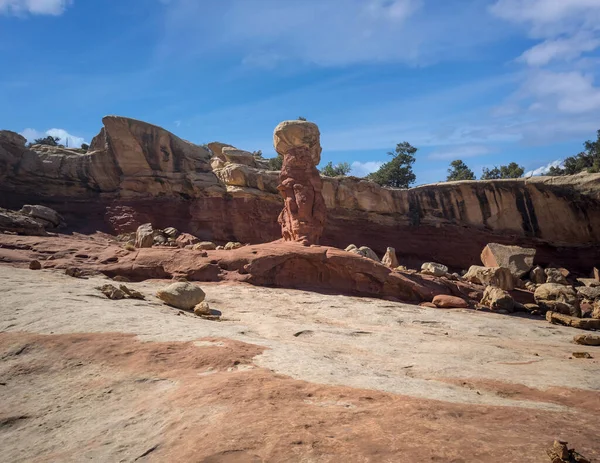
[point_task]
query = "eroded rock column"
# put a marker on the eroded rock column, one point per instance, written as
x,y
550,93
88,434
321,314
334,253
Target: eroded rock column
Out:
x,y
303,216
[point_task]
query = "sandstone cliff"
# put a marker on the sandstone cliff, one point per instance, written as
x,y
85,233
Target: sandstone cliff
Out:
x,y
136,172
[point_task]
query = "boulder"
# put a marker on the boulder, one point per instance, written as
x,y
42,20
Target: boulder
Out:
x,y
132,293
48,216
556,275
444,301
548,293
35,265
232,245
185,239
589,293
537,275
575,322
237,156
596,274
433,268
515,258
15,222
112,292
368,253
587,308
587,339
160,239
561,307
589,282
144,236
497,299
202,309
351,247
171,232
389,259
596,310
206,246
494,276
181,295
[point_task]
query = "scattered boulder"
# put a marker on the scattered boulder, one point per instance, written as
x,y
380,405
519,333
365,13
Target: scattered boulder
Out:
x,y
588,292
171,232
181,295
206,246
220,248
112,292
548,293
433,268
494,276
48,217
202,309
232,245
202,252
389,259
589,282
160,239
185,239
74,272
537,275
560,453
556,275
530,286
587,339
497,299
35,265
131,293
575,322
515,258
533,309
144,236
444,301
587,308
121,278
368,253
351,247
15,222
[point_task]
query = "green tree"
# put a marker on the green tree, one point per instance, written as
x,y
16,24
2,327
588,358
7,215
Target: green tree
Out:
x,y
49,140
588,160
459,171
275,163
554,171
340,170
302,118
85,147
513,170
257,154
398,172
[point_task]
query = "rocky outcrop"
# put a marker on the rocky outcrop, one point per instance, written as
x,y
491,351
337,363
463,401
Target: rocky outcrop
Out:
x,y
303,216
136,173
517,259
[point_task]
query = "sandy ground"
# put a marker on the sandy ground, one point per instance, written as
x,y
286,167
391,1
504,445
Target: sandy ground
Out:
x,y
287,375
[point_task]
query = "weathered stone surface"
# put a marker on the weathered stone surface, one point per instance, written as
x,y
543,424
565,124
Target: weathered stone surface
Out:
x,y
206,246
596,310
144,236
555,275
44,213
389,259
589,293
515,258
182,295
368,253
171,232
232,245
587,339
497,299
537,275
112,292
186,239
433,268
444,301
559,298
575,322
304,213
495,276
15,222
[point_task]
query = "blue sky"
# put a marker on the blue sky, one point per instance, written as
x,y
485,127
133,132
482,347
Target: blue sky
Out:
x,y
486,81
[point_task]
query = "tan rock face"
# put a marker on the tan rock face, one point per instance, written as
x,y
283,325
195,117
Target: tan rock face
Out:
x,y
303,217
497,299
495,276
181,295
389,259
515,258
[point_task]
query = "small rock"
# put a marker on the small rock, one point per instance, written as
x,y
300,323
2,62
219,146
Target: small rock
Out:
x,y
575,322
587,339
389,259
171,232
368,253
433,268
160,239
537,275
581,355
232,245
132,293
588,292
185,239
444,301
35,265
555,275
205,246
494,276
202,309
181,295
587,308
497,299
351,247
431,305
112,292
121,279
596,274
548,292
144,236
596,310
589,282
220,248
73,272
530,286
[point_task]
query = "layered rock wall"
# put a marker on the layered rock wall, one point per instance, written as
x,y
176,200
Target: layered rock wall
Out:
x,y
136,172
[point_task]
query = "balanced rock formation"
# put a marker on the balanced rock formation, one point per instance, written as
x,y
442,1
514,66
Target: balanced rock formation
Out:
x,y
303,216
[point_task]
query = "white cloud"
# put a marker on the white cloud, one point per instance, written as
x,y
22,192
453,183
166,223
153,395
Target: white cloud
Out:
x,y
362,169
544,169
560,49
40,7
459,152
72,141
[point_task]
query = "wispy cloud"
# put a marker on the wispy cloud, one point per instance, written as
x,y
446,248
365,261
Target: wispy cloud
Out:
x,y
362,169
544,169
37,7
459,152
72,141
